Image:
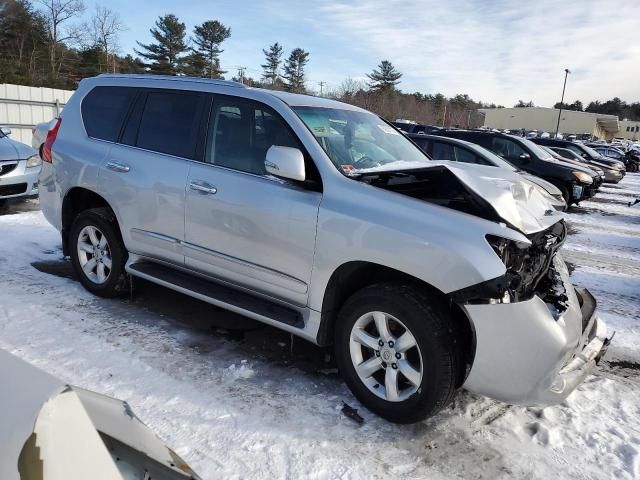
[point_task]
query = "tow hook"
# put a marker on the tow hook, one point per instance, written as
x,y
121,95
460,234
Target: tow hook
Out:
x,y
605,347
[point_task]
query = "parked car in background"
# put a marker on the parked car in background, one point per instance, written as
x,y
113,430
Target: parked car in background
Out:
x,y
417,128
19,168
453,149
596,173
613,174
610,175
574,182
321,219
630,158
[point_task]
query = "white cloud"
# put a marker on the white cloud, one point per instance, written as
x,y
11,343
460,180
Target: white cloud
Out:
x,y
494,50
497,51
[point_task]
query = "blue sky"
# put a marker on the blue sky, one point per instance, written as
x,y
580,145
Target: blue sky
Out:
x,y
494,50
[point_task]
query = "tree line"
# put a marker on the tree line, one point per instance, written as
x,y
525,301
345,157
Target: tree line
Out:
x,y
50,43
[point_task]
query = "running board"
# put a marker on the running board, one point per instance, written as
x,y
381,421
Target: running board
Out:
x,y
217,294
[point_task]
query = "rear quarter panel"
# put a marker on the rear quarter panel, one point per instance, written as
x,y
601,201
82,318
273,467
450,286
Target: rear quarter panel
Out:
x,y
76,160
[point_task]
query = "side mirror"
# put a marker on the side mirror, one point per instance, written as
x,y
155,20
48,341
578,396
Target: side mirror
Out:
x,y
525,157
6,131
285,162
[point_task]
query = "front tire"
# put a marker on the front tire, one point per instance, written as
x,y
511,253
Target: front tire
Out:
x,y
397,351
98,254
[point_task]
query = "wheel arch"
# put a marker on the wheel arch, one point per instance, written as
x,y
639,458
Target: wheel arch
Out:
x,y
77,200
352,276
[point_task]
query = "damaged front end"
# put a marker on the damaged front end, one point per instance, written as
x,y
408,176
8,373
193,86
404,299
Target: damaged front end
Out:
x,y
529,271
536,336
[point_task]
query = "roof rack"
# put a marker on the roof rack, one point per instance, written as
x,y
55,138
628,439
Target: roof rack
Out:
x,y
175,78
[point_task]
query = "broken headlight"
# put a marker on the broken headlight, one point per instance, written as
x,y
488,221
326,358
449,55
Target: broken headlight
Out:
x,y
505,248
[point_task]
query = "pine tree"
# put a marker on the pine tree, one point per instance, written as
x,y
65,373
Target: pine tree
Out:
x,y
294,70
208,37
271,67
166,55
386,77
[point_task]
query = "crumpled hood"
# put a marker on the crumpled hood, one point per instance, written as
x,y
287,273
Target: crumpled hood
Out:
x,y
514,198
13,150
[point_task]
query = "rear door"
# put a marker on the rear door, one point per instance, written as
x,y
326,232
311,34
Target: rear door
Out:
x,y
144,175
242,225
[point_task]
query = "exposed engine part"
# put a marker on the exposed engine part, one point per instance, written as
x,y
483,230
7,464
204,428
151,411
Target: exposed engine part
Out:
x,y
529,271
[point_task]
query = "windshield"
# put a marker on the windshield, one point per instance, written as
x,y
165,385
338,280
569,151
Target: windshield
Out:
x,y
360,141
590,151
536,150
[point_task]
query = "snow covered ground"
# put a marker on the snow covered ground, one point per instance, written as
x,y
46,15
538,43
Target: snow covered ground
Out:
x,y
246,404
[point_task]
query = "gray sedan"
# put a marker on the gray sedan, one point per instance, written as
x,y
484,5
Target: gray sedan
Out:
x,y
19,167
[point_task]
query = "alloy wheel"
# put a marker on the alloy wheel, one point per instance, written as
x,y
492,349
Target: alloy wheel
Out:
x,y
386,356
94,254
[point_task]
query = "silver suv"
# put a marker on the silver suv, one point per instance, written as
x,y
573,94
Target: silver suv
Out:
x,y
323,220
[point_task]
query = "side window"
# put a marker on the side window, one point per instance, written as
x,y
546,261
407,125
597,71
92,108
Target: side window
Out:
x,y
575,150
103,111
442,151
423,143
507,148
479,139
241,132
466,156
170,123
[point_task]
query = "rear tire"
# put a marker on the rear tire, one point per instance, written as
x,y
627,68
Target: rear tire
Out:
x,y
431,365
97,252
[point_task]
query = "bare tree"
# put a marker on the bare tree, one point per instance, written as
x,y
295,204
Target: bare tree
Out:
x,y
56,14
349,87
106,27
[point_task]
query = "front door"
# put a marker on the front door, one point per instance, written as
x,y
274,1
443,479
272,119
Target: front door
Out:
x,y
242,225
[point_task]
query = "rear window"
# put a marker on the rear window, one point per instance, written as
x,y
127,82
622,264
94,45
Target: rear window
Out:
x,y
170,123
104,109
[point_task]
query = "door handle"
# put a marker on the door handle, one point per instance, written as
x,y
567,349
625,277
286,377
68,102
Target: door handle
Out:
x,y
203,188
118,167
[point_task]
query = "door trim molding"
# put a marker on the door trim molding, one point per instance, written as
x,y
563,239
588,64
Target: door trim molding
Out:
x,y
243,267
227,262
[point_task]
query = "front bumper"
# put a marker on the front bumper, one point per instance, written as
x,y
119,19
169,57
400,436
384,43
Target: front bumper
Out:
x,y
529,353
19,182
613,177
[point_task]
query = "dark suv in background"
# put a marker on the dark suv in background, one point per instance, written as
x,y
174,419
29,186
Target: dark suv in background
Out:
x,y
613,174
576,183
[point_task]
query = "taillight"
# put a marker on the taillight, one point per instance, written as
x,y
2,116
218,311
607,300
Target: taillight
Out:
x,y
48,143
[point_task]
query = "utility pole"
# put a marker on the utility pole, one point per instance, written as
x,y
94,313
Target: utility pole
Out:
x,y
241,73
566,73
444,117
322,84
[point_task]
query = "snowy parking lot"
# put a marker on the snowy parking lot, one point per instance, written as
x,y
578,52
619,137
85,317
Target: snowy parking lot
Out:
x,y
239,400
